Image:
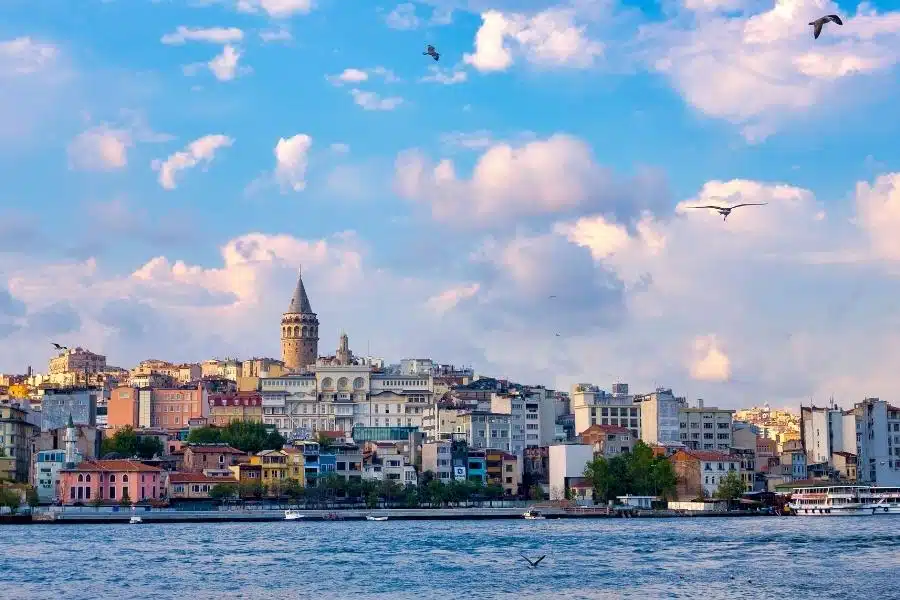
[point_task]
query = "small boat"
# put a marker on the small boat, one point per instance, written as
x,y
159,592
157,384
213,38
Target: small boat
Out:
x,y
135,520
533,515
374,518
293,515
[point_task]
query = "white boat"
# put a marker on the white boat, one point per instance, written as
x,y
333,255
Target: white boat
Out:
x,y
845,500
293,515
374,518
533,515
135,520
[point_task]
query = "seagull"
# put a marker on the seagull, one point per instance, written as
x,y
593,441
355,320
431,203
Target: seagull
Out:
x,y
551,297
58,347
534,563
726,210
430,51
820,22
557,335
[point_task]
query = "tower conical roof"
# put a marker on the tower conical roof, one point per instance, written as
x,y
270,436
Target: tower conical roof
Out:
x,y
299,301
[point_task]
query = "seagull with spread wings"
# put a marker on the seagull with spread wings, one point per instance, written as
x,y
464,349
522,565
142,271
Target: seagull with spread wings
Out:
x,y
534,563
58,347
430,51
820,22
726,210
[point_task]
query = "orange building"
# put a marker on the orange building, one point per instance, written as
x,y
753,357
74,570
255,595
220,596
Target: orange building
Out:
x,y
110,481
165,408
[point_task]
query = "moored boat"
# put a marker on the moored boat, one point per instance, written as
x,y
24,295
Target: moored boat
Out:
x,y
293,515
533,515
374,518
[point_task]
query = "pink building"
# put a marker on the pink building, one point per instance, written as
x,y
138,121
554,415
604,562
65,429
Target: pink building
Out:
x,y
110,481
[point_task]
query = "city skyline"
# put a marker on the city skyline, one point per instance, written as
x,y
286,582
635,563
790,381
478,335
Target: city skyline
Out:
x,y
164,193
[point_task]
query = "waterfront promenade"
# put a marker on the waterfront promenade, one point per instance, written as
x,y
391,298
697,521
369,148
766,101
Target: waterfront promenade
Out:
x,y
85,515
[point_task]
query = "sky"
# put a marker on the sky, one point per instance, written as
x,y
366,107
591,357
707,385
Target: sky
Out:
x,y
521,205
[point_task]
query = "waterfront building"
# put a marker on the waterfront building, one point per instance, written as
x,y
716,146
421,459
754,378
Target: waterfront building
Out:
x,y
192,486
485,430
436,457
274,465
476,467
608,440
310,451
591,406
343,459
845,464
235,406
57,405
247,474
536,466
49,455
296,465
699,472
199,457
566,466
660,412
110,481
383,461
878,439
705,427
15,441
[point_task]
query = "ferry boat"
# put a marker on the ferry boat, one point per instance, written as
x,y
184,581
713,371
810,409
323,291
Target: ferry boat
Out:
x,y
846,500
883,500
832,501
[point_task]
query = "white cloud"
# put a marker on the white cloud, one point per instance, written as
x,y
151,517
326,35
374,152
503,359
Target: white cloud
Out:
x,y
100,149
24,56
441,16
339,148
201,150
291,158
444,76
359,75
550,38
539,177
878,213
710,363
212,35
225,65
403,17
448,299
760,69
476,140
372,101
280,9
275,35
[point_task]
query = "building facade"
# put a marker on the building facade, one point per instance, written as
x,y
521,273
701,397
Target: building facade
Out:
x,y
110,482
705,428
878,435
57,405
660,422
593,406
15,439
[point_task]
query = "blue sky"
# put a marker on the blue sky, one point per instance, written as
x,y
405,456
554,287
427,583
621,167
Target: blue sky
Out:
x,y
676,97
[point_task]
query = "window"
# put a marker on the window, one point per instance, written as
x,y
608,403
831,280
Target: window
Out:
x,y
125,478
112,493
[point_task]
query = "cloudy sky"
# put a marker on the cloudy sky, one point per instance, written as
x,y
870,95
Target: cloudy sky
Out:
x,y
167,166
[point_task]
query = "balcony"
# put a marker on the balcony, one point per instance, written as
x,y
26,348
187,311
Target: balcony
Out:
x,y
343,397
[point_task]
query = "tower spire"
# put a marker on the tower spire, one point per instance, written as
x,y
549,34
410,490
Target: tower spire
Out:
x,y
299,301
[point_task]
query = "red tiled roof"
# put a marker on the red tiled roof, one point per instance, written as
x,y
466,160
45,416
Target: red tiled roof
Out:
x,y
114,465
212,448
707,455
198,478
606,429
845,454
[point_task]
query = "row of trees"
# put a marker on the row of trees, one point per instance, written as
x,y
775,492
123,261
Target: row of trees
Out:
x,y
126,443
246,436
12,499
334,488
638,473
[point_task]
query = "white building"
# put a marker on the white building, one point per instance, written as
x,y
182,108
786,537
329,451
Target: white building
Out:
x,y
593,406
878,432
659,412
825,431
705,427
567,462
486,430
344,396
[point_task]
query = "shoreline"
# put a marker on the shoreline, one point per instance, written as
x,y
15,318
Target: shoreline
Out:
x,y
317,515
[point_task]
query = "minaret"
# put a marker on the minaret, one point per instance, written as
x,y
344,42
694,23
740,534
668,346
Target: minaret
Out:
x,y
299,331
71,440
343,354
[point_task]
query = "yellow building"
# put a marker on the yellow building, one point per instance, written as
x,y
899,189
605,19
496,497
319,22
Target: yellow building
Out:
x,y
296,467
274,465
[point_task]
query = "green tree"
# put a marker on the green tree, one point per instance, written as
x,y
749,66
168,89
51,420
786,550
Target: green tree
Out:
x,y
731,486
223,491
251,490
31,497
663,478
598,474
97,502
246,436
125,500
640,463
126,442
11,499
293,489
536,493
205,435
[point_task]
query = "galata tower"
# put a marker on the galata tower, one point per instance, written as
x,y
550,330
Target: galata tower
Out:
x,y
299,331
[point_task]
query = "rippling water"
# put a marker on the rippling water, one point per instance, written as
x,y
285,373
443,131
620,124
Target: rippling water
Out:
x,y
790,558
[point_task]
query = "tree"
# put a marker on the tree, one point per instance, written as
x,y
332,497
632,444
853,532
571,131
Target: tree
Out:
x,y
127,443
246,436
663,478
126,499
598,474
97,502
536,493
731,486
205,435
31,497
11,499
293,489
223,491
324,440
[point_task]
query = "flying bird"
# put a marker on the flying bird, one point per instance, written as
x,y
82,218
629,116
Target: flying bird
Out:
x,y
534,563
726,210
551,297
820,22
58,347
430,51
557,335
